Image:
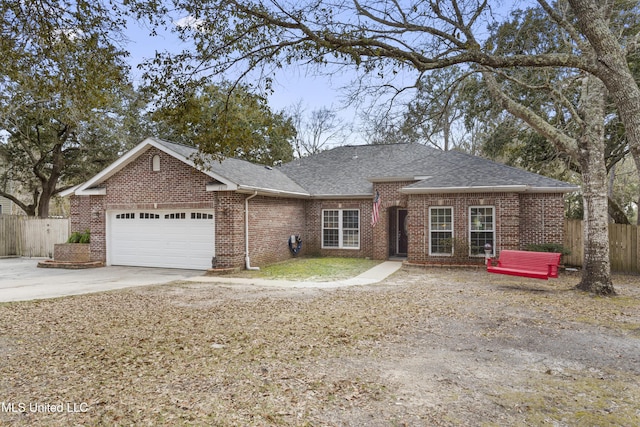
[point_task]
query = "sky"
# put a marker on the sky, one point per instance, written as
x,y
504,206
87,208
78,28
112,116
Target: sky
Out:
x,y
291,86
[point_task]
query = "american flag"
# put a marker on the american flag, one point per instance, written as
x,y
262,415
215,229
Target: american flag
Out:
x,y
375,213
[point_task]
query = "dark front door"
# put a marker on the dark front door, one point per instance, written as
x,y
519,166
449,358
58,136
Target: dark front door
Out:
x,y
403,238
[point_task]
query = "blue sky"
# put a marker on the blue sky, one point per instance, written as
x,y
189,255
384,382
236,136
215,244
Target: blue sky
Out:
x,y
291,86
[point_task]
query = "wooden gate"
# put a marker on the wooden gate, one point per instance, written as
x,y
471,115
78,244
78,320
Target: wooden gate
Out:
x,y
31,237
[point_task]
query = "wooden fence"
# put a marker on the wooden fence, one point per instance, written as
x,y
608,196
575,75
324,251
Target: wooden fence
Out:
x,y
623,246
31,237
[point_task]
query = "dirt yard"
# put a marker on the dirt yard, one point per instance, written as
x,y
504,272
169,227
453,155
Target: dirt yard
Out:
x,y
432,347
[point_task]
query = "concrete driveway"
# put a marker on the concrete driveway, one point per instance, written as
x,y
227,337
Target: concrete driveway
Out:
x,y
22,280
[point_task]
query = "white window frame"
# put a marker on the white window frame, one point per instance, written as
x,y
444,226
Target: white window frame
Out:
x,y
451,231
492,230
340,229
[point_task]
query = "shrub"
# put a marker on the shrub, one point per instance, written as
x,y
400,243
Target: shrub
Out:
x,y
549,247
85,237
78,237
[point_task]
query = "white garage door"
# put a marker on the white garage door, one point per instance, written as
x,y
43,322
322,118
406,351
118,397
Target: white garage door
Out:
x,y
170,239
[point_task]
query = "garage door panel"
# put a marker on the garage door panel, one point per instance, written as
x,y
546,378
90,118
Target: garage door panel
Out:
x,y
175,239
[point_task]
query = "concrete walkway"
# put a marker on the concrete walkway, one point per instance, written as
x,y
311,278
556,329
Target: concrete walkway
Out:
x,y
21,280
374,275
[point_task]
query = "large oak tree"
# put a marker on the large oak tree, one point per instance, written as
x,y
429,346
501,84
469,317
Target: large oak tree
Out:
x,y
225,122
63,86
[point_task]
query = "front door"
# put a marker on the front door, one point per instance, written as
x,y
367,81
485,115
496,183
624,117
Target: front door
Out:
x,y
402,236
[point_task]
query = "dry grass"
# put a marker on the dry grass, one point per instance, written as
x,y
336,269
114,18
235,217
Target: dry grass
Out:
x,y
323,269
434,347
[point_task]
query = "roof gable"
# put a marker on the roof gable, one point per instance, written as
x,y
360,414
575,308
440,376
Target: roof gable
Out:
x,y
229,174
180,152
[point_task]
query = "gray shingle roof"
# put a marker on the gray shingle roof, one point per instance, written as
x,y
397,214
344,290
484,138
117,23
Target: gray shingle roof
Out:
x,y
351,170
465,170
241,172
347,170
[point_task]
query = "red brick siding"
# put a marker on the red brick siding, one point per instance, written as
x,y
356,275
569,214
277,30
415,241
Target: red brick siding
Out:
x,y
229,217
87,213
518,222
271,222
98,242
314,210
542,219
176,185
80,213
507,218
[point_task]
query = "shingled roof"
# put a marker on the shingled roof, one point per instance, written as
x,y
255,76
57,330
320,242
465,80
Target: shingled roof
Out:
x,y
246,175
352,170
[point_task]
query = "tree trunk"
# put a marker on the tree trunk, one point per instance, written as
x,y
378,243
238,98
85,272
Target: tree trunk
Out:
x,y
50,182
613,69
596,272
44,202
587,148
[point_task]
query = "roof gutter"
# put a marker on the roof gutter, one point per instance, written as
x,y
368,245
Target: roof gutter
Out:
x,y
487,189
247,260
270,192
342,196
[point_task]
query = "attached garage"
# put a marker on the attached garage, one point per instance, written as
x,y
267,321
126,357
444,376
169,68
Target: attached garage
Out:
x,y
161,238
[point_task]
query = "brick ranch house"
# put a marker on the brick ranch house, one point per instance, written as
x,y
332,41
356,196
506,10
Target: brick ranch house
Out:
x,y
154,207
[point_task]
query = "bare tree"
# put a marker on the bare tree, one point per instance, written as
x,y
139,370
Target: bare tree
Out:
x,y
317,130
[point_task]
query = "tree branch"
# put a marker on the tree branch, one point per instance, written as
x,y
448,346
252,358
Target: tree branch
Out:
x,y
555,94
563,23
540,125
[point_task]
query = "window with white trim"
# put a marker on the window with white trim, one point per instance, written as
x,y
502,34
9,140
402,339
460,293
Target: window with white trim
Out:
x,y
155,163
341,229
441,231
481,229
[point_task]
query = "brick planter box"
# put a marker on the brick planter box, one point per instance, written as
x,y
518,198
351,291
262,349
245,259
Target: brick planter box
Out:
x,y
72,252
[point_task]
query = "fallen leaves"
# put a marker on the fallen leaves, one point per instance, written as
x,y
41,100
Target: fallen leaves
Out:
x,y
223,355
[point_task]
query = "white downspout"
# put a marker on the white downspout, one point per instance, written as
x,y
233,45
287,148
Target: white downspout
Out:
x,y
247,260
